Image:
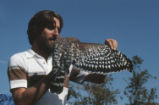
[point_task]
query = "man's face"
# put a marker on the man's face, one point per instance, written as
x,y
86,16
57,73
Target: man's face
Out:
x,y
48,36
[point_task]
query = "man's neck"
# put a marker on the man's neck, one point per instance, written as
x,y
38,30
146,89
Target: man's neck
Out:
x,y
41,52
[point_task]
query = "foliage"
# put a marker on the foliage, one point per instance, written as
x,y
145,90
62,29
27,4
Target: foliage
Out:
x,y
103,94
95,94
136,90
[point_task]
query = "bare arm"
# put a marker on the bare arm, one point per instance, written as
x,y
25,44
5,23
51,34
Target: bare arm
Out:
x,y
94,78
29,96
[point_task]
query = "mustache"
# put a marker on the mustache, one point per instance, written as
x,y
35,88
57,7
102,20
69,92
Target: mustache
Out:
x,y
54,37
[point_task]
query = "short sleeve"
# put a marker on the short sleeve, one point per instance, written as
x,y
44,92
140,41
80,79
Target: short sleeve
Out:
x,y
16,73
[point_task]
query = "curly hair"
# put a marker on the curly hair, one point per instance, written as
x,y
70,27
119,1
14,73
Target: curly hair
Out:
x,y
42,19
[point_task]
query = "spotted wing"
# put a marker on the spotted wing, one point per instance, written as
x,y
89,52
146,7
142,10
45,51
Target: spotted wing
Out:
x,y
89,57
100,59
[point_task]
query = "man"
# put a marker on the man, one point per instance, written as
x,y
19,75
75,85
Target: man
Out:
x,y
30,71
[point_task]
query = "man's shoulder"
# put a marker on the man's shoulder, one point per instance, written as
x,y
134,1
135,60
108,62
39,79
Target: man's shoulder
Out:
x,y
20,54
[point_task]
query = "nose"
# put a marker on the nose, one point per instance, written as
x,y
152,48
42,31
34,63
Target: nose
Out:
x,y
56,32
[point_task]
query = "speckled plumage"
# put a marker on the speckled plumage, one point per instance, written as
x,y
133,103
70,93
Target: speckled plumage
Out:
x,y
89,57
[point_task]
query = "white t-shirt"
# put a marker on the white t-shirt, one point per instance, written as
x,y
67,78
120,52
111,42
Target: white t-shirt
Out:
x,y
26,68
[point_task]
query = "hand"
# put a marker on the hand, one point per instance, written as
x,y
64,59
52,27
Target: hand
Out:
x,y
112,43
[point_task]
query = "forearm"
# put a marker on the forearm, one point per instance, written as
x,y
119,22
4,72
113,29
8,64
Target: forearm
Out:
x,y
66,82
89,77
32,94
95,78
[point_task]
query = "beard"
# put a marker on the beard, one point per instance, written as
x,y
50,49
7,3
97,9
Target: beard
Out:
x,y
46,45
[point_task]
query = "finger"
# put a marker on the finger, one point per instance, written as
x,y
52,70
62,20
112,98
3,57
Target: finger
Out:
x,y
112,43
115,44
109,42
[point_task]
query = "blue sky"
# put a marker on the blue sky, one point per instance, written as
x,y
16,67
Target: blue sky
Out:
x,y
133,23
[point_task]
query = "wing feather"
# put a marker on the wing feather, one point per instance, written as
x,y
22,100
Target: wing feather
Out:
x,y
89,57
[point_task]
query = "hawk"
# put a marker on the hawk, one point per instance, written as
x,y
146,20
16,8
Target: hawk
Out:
x,y
95,58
